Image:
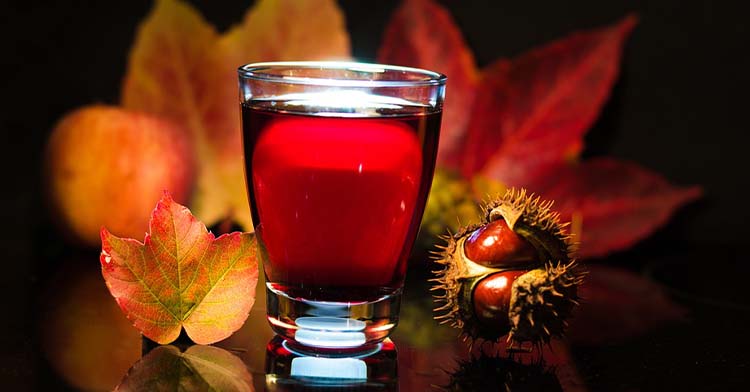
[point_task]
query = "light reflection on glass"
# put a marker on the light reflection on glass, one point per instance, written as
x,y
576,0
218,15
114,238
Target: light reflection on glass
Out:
x,y
288,368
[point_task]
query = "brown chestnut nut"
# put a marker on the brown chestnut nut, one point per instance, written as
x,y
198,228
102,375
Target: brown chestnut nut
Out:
x,y
491,299
496,245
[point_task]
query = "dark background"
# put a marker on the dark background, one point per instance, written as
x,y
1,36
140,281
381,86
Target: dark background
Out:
x,y
679,108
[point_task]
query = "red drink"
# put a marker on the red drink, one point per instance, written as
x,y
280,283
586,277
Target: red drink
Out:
x,y
338,161
337,199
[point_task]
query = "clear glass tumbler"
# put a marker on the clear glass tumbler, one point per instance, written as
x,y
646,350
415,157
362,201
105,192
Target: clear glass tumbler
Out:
x,y
339,159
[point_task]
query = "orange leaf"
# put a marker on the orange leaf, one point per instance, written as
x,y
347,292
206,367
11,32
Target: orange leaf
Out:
x,y
181,277
423,34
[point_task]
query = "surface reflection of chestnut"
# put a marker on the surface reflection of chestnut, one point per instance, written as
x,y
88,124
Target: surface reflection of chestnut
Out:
x,y
511,275
490,373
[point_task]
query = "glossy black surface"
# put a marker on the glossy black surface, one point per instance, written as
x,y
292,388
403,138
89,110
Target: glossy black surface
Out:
x,y
679,108
84,343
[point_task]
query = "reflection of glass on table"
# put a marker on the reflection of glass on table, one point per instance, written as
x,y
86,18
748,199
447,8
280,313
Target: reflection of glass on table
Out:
x,y
288,369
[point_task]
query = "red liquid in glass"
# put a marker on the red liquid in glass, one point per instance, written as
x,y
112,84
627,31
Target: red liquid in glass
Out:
x,y
337,201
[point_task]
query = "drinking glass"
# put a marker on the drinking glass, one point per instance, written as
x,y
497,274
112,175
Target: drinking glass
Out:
x,y
339,159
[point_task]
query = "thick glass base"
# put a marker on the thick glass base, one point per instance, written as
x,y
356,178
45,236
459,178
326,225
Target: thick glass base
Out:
x,y
287,369
328,327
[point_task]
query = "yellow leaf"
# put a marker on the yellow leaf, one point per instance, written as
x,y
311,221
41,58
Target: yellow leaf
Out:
x,y
180,67
286,30
170,74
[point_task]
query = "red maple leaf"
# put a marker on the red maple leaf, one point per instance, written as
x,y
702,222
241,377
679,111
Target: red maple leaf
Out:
x,y
522,121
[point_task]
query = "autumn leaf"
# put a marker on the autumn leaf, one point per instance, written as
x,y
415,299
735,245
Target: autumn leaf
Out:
x,y
166,72
423,34
181,277
284,30
180,67
617,304
527,117
172,72
619,203
199,368
531,112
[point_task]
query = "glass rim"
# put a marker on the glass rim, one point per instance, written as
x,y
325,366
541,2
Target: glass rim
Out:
x,y
254,71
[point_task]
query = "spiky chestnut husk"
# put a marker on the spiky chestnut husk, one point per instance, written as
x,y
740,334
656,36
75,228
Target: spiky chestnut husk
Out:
x,y
541,301
534,221
493,373
542,289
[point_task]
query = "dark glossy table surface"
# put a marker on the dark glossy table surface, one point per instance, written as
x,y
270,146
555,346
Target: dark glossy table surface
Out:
x,y
83,342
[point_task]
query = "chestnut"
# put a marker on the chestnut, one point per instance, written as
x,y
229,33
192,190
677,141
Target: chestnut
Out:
x,y
496,245
513,274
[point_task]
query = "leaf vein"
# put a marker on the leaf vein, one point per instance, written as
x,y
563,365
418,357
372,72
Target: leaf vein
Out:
x,y
146,286
236,257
